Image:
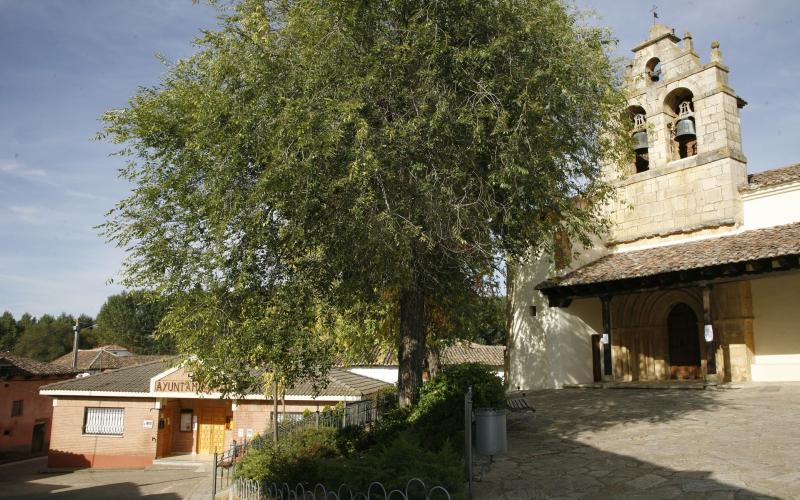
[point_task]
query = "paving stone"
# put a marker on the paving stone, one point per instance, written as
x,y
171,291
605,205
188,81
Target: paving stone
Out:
x,y
647,481
731,444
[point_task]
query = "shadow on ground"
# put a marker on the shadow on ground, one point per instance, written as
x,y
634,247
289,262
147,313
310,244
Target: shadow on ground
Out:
x,y
620,444
123,490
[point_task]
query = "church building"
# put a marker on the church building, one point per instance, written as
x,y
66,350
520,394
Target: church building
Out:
x,y
698,277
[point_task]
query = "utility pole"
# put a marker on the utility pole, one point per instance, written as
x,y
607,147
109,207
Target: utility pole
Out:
x,y
77,330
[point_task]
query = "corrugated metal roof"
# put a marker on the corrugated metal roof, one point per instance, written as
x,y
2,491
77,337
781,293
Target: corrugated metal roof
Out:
x,y
130,379
136,379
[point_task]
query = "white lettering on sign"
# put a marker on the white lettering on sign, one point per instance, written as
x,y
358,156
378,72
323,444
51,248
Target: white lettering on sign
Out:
x,y
177,386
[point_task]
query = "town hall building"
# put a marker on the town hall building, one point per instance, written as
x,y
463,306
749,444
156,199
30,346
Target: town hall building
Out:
x,y
698,277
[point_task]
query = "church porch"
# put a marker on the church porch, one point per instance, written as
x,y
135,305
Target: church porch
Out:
x,y
686,311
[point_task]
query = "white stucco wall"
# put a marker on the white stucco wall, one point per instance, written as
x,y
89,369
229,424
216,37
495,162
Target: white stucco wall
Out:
x,y
384,373
553,347
776,328
772,207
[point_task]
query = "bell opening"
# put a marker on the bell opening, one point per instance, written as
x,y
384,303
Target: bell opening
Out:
x,y
642,162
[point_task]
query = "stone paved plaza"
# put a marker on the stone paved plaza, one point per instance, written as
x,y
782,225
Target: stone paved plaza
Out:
x,y
634,443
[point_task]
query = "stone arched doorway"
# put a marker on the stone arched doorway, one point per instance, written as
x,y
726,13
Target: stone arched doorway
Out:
x,y
684,343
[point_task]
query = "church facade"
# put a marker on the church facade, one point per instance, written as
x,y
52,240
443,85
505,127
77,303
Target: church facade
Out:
x,y
698,277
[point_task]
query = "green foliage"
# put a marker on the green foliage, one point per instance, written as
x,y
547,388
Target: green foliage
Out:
x,y
334,458
316,156
394,463
131,319
439,415
9,331
294,459
46,338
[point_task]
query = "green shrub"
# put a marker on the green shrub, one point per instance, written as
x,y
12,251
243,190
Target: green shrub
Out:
x,y
394,464
438,417
294,459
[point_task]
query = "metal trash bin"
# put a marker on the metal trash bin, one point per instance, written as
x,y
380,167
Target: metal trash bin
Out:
x,y
490,432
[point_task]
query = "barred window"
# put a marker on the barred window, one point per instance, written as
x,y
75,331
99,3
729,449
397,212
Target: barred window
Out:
x,y
16,408
103,421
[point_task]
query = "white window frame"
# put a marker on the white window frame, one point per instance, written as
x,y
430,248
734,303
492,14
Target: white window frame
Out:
x,y
103,421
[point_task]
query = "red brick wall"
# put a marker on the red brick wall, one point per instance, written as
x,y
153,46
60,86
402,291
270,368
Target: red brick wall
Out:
x,y
70,447
16,433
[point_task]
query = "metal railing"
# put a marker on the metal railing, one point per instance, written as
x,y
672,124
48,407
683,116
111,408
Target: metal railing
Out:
x,y
248,489
356,414
224,469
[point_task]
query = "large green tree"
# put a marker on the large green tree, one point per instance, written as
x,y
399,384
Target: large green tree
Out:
x,y
131,319
336,155
49,337
9,331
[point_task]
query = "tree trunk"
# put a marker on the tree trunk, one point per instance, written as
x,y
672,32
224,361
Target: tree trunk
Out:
x,y
411,353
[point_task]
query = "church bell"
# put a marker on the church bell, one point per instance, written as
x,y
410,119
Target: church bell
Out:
x,y
685,129
640,141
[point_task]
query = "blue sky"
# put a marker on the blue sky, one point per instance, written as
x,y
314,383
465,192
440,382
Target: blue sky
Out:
x,y
63,63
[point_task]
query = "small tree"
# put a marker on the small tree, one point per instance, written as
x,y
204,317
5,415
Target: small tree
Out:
x,y
358,152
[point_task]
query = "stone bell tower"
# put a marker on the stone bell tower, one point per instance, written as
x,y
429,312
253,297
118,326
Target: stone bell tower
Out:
x,y
688,148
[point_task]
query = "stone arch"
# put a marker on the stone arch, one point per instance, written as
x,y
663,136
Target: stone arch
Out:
x,y
678,105
638,117
639,331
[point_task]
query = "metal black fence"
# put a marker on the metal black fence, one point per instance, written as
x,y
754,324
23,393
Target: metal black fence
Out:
x,y
247,489
356,414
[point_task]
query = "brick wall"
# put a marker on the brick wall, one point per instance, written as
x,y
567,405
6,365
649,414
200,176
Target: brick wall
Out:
x,y
70,447
16,433
255,415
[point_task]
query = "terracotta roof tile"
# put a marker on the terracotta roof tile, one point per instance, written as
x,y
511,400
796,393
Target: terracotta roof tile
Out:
x,y
460,352
11,365
470,352
773,242
773,177
101,359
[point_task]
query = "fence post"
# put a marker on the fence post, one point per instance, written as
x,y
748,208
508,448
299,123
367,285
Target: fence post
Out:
x,y
214,480
316,419
468,439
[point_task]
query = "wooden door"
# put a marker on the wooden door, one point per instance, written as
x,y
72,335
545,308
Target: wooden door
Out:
x,y
596,365
165,432
684,343
37,440
211,430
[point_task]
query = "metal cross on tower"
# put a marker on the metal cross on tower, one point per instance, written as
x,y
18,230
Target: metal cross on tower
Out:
x,y
654,11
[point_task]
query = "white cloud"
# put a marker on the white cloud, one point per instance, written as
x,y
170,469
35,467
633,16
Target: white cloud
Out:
x,y
15,167
25,213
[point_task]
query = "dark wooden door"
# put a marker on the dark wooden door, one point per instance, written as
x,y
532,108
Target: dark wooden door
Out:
x,y
684,342
596,368
37,441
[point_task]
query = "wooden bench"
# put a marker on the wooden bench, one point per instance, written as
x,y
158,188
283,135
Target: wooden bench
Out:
x,y
518,404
